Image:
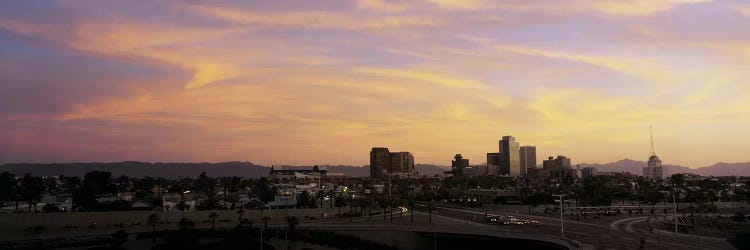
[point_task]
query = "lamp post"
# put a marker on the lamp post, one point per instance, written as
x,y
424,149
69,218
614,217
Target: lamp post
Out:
x,y
562,224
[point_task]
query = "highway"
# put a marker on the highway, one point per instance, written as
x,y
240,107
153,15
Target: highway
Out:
x,y
624,233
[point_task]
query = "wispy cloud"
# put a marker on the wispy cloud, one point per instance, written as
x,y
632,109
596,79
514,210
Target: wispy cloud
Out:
x,y
325,82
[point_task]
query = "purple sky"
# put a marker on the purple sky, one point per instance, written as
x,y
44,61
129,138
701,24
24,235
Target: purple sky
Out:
x,y
321,82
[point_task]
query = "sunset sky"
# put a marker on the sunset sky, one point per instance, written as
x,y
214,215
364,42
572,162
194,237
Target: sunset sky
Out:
x,y
321,82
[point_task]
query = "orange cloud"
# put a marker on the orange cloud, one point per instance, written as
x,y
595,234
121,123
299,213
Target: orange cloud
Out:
x,y
308,19
383,5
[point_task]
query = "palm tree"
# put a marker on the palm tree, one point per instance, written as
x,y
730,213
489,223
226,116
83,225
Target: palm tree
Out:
x,y
430,207
213,216
331,193
351,215
240,213
153,219
525,193
677,181
265,219
185,224
411,210
292,223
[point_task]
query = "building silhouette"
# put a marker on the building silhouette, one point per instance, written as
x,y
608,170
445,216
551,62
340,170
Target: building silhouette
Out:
x,y
380,162
527,156
653,169
402,162
458,165
510,162
589,172
558,168
493,163
383,162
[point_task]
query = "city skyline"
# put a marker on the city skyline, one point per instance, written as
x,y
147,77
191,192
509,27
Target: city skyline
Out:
x,y
284,82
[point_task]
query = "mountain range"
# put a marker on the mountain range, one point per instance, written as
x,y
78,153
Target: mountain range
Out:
x,y
251,170
636,167
167,170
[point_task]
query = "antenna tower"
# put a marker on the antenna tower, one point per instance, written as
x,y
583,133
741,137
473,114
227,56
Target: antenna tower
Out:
x,y
653,151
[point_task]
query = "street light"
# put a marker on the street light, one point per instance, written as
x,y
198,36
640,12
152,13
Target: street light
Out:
x,y
562,224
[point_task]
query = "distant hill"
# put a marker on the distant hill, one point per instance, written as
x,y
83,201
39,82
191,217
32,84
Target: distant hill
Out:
x,y
250,170
431,170
363,171
136,169
636,167
726,169
133,168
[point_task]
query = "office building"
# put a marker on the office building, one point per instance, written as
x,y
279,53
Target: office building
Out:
x,y
527,156
561,162
558,168
653,169
493,163
402,162
589,172
383,162
510,162
458,165
380,162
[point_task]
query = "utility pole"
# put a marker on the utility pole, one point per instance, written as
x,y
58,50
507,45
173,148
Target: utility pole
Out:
x,y
390,209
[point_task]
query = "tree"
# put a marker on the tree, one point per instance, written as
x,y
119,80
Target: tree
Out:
x,y
411,210
240,213
304,199
292,223
321,196
677,181
526,193
339,203
152,221
32,189
185,224
262,189
94,183
213,216
6,186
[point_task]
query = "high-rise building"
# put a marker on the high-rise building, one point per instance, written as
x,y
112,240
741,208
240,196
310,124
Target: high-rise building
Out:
x,y
558,168
653,169
493,163
528,158
561,162
402,162
383,162
458,165
510,162
380,162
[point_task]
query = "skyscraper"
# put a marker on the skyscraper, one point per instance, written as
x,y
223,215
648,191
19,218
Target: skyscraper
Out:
x,y
653,169
510,162
380,162
402,162
528,158
383,162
